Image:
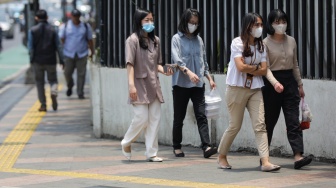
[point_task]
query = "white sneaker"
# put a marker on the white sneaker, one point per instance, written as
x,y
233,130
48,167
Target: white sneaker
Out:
x,y
154,159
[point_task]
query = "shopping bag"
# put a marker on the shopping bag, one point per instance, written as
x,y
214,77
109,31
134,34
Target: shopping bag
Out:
x,y
212,104
306,115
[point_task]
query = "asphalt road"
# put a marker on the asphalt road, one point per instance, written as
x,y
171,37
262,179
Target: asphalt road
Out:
x,y
10,43
13,62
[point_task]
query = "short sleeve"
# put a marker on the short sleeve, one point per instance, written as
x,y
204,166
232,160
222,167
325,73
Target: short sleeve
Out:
x,y
130,50
237,48
89,33
61,31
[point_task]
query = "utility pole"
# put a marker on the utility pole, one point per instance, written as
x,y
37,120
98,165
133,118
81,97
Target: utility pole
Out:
x,y
31,9
63,6
74,3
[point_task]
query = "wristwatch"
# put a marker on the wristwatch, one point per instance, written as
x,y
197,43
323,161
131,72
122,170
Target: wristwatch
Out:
x,y
185,70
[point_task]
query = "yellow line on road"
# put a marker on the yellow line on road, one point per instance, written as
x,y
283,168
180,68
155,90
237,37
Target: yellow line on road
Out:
x,y
13,145
126,179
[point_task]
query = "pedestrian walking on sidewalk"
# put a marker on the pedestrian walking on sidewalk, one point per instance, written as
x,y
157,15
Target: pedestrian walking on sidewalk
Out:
x,y
244,80
188,52
143,61
283,84
76,36
43,43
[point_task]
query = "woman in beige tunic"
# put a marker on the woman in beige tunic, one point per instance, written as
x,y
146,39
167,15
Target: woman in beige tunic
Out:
x,y
143,61
283,85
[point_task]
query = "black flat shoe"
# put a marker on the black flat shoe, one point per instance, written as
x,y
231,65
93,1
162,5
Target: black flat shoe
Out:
x,y
178,154
69,92
54,102
303,162
208,153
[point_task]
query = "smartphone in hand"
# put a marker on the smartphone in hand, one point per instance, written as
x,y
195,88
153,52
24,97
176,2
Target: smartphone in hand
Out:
x,y
172,67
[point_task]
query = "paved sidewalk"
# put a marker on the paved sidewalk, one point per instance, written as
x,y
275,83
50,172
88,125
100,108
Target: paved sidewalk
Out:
x,y
57,149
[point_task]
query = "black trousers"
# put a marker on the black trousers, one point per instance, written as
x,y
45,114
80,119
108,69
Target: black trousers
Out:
x,y
289,101
181,98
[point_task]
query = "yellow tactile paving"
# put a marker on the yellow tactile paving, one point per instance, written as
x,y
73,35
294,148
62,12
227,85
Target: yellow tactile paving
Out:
x,y
13,145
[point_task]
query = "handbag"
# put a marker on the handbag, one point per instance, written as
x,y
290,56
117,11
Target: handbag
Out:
x,y
306,115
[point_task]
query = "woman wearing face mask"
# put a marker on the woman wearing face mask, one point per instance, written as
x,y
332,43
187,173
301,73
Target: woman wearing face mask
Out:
x,y
244,82
283,84
188,51
143,61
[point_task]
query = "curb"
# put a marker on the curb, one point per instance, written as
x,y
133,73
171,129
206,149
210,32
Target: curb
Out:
x,y
10,78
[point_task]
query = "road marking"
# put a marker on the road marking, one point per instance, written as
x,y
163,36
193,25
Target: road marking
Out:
x,y
126,179
13,145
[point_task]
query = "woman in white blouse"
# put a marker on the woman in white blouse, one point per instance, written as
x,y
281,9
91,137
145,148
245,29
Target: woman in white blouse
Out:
x,y
244,80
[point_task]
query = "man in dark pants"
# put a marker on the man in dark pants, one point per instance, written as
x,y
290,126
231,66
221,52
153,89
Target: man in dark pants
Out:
x,y
76,37
43,43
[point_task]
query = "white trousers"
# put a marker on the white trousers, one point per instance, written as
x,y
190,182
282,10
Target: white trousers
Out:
x,y
146,118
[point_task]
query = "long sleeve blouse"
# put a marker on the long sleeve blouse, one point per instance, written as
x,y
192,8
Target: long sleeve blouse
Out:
x,y
282,56
190,53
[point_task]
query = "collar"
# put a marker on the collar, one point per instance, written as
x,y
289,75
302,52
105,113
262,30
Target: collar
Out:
x,y
72,23
180,33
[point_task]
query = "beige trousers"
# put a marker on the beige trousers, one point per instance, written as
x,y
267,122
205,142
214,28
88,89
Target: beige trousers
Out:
x,y
147,119
237,99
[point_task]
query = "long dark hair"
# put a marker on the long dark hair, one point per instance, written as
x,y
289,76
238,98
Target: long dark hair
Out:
x,y
247,24
186,16
139,15
274,15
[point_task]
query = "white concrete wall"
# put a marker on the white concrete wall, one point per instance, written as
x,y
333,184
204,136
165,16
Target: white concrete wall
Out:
x,y
112,115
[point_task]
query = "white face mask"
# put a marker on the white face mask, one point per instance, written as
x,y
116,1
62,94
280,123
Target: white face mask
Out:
x,y
257,32
192,28
280,29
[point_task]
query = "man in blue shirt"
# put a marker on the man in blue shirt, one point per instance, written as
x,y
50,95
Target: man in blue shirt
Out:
x,y
76,37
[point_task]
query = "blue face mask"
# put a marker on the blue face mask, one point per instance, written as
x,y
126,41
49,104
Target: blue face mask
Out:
x,y
148,27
